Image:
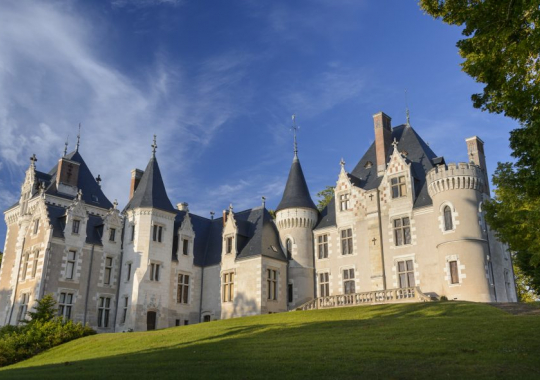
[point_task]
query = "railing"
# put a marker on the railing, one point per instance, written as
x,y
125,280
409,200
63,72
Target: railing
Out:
x,y
365,298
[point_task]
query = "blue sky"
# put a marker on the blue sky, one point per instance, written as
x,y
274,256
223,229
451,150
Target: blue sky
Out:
x,y
218,81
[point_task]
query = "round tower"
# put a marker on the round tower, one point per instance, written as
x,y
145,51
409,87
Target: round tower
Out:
x,y
462,246
296,216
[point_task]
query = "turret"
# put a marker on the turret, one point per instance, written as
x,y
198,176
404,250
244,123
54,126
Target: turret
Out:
x,y
457,191
296,216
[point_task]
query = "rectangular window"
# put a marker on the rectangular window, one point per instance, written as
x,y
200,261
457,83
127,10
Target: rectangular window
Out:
x,y
177,322
186,322
322,243
228,287
108,270
132,232
36,226
23,307
348,281
344,202
35,264
128,272
64,305
185,246
324,284
399,188
406,274
182,295
454,275
104,308
154,272
290,293
346,242
402,231
75,226
124,312
158,232
70,267
26,258
229,245
112,234
271,279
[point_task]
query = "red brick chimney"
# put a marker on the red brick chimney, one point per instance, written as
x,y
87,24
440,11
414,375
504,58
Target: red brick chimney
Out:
x,y
136,175
475,150
383,139
67,174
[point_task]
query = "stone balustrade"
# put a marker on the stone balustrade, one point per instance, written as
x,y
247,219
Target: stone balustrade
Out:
x,y
367,298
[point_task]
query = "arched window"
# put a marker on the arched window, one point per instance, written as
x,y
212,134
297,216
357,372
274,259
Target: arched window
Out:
x,y
448,226
288,244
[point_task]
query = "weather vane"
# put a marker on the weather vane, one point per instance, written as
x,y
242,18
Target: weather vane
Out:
x,y
295,130
79,137
407,109
154,147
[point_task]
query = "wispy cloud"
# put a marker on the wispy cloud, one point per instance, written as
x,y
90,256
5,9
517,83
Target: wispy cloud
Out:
x,y
144,3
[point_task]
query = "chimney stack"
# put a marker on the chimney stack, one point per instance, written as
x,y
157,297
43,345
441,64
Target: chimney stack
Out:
x,y
475,151
136,175
67,176
383,139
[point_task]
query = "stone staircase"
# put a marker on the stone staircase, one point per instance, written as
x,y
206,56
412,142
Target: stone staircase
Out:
x,y
367,298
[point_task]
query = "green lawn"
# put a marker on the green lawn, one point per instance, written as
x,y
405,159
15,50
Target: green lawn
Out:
x,y
451,340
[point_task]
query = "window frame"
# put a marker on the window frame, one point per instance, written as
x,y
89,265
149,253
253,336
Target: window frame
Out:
x,y
65,306
228,244
26,259
36,227
347,244
23,307
349,280
108,269
402,233
155,271
75,226
104,310
157,233
344,201
128,271
185,246
453,269
272,284
125,309
228,286
407,273
398,187
182,288
324,284
71,263
322,246
448,222
35,264
112,234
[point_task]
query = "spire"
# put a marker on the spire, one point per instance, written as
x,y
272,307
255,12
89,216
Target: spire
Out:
x,y
78,138
154,147
66,146
296,193
295,129
151,191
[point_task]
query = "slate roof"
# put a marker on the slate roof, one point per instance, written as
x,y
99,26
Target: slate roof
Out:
x,y
419,155
151,190
94,225
296,192
257,236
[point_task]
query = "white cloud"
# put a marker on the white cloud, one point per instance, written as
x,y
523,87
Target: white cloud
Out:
x,y
144,3
52,77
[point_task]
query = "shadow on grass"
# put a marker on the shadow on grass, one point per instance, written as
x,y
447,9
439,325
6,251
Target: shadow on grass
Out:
x,y
390,343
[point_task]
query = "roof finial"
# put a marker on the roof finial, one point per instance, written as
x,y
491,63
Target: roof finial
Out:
x,y
33,160
66,146
230,208
342,163
395,143
263,198
295,129
212,213
98,180
407,109
78,138
154,147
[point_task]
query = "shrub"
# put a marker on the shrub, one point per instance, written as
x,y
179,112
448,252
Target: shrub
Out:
x,y
36,335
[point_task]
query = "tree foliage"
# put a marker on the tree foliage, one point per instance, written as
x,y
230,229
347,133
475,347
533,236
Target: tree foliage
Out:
x,y
502,51
45,310
324,197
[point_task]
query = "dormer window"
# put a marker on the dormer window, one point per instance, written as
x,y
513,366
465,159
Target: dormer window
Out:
x,y
229,245
344,203
185,246
112,234
368,165
399,188
75,226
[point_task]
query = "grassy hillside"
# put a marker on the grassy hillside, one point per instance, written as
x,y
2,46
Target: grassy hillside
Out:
x,y
434,340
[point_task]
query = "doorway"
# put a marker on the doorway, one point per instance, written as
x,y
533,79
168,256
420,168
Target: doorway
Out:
x,y
151,320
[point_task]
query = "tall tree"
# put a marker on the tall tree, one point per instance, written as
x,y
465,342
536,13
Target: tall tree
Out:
x,y
502,51
324,197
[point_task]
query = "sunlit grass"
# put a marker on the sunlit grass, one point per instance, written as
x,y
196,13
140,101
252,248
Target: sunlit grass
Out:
x,y
433,340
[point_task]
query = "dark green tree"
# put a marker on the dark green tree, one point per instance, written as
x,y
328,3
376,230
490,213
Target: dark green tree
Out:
x,y
45,310
501,50
324,197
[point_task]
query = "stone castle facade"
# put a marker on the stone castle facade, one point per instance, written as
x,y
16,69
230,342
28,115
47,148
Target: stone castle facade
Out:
x,y
403,220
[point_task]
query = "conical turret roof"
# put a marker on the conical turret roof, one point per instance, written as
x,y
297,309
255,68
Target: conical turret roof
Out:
x,y
296,192
151,191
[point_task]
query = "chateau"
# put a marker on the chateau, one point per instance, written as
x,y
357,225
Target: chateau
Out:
x,y
403,221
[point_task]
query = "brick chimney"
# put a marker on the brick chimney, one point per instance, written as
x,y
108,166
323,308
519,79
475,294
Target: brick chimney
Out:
x,y
67,176
475,151
136,175
383,139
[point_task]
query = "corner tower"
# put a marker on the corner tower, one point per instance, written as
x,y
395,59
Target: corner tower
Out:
x,y
296,216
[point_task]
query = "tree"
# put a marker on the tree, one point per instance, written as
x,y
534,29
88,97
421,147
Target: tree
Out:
x,y
325,196
502,51
45,310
